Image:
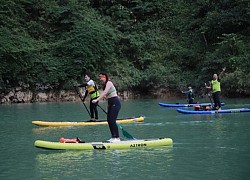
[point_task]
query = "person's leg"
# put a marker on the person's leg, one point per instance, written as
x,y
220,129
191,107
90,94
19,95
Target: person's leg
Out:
x,y
114,107
91,108
215,101
95,111
191,101
217,94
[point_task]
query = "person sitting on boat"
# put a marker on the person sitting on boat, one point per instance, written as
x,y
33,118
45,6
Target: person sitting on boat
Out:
x,y
190,94
216,89
91,89
114,105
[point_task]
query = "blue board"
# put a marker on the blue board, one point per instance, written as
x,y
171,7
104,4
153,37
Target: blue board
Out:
x,y
186,105
238,110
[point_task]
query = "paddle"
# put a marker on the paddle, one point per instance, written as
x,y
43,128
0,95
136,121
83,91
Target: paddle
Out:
x,y
209,95
124,132
82,100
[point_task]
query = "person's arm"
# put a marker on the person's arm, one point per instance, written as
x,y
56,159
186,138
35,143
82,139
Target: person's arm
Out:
x,y
83,85
107,88
90,83
209,86
85,95
223,70
185,92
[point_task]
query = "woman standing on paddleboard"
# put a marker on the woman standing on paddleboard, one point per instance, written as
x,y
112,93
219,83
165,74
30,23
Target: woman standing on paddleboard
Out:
x,y
114,105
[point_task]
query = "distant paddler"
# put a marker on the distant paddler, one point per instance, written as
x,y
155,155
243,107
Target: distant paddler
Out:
x,y
190,94
91,89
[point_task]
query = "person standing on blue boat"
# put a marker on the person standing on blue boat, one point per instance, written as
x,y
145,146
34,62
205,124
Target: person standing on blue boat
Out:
x,y
216,89
114,105
190,94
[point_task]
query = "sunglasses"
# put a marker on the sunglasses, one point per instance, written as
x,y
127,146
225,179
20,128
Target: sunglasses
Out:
x,y
102,76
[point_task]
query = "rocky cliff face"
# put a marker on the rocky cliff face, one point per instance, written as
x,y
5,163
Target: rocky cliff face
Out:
x,y
16,95
19,95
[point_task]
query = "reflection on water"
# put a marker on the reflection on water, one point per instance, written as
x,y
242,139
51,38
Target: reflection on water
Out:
x,y
49,163
111,164
201,116
46,130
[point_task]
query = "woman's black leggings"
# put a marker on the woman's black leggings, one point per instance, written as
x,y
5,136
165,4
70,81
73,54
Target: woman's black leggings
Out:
x,y
114,107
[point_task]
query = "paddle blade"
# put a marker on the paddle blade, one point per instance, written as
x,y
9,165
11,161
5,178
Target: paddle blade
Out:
x,y
127,135
124,132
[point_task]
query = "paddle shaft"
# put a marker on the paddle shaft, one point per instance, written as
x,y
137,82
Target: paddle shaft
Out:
x,y
209,95
82,101
102,109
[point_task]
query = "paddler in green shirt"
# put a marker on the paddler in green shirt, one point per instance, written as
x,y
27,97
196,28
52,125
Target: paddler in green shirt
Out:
x,y
216,90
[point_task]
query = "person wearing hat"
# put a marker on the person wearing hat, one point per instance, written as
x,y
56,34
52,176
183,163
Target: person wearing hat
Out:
x,y
114,105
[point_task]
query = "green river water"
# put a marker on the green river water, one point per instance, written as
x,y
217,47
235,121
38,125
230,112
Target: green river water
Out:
x,y
205,146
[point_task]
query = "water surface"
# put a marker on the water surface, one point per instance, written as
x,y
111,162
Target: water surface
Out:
x,y
205,146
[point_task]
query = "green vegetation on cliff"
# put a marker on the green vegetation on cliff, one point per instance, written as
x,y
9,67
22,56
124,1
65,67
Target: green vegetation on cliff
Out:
x,y
147,44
